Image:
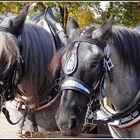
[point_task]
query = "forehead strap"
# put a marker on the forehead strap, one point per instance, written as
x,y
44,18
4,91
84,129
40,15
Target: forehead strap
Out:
x,y
90,40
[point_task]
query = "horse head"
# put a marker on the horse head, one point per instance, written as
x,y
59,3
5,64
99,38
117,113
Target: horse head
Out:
x,y
99,63
26,50
10,30
83,69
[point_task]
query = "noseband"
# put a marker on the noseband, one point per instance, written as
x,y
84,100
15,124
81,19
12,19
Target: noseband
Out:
x,y
73,83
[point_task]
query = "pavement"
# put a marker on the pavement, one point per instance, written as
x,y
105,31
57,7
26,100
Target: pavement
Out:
x,y
7,131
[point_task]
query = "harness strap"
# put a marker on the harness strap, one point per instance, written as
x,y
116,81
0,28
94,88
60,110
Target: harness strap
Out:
x,y
46,106
131,108
101,87
110,118
90,40
133,103
7,115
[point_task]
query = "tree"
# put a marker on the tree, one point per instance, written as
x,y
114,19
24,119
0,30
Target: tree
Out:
x,y
127,13
11,7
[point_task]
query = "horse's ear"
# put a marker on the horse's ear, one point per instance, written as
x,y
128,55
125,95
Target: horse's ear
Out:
x,y
104,30
72,26
19,20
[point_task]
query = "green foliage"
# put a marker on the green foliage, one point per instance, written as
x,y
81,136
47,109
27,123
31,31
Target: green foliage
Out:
x,y
127,13
11,7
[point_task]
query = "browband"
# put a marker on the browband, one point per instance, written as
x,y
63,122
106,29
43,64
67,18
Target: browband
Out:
x,y
89,40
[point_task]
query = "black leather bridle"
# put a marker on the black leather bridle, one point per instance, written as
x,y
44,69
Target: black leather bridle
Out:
x,y
73,83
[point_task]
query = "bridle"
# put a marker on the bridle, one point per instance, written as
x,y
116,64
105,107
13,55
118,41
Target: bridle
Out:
x,y
71,64
72,83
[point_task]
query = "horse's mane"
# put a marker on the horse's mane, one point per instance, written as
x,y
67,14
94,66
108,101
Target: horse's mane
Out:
x,y
127,44
37,52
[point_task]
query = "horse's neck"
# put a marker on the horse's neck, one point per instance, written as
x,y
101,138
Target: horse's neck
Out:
x,y
124,86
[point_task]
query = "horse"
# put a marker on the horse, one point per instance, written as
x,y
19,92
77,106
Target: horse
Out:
x,y
26,83
101,80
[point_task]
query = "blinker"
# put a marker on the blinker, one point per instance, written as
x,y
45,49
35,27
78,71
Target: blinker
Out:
x,y
72,60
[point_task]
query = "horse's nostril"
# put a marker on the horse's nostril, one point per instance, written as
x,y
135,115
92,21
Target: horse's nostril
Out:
x,y
72,123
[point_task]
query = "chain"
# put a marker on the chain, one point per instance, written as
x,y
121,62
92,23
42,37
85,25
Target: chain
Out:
x,y
2,99
90,115
93,106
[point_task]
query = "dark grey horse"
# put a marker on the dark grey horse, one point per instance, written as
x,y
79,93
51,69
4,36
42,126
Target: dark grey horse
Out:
x,y
26,83
101,64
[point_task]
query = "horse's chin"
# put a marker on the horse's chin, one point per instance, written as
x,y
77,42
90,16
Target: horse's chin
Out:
x,y
68,123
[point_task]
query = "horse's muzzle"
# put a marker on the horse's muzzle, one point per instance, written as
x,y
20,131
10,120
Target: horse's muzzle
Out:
x,y
68,123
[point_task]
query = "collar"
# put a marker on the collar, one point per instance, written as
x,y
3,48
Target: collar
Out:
x,y
119,120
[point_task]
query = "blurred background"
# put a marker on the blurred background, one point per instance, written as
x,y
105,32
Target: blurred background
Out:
x,y
127,13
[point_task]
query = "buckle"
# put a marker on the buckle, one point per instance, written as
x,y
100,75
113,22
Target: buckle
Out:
x,y
108,63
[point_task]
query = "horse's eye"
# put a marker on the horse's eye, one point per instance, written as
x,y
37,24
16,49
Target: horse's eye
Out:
x,y
93,64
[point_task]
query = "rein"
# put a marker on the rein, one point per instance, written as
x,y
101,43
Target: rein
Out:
x,y
56,89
